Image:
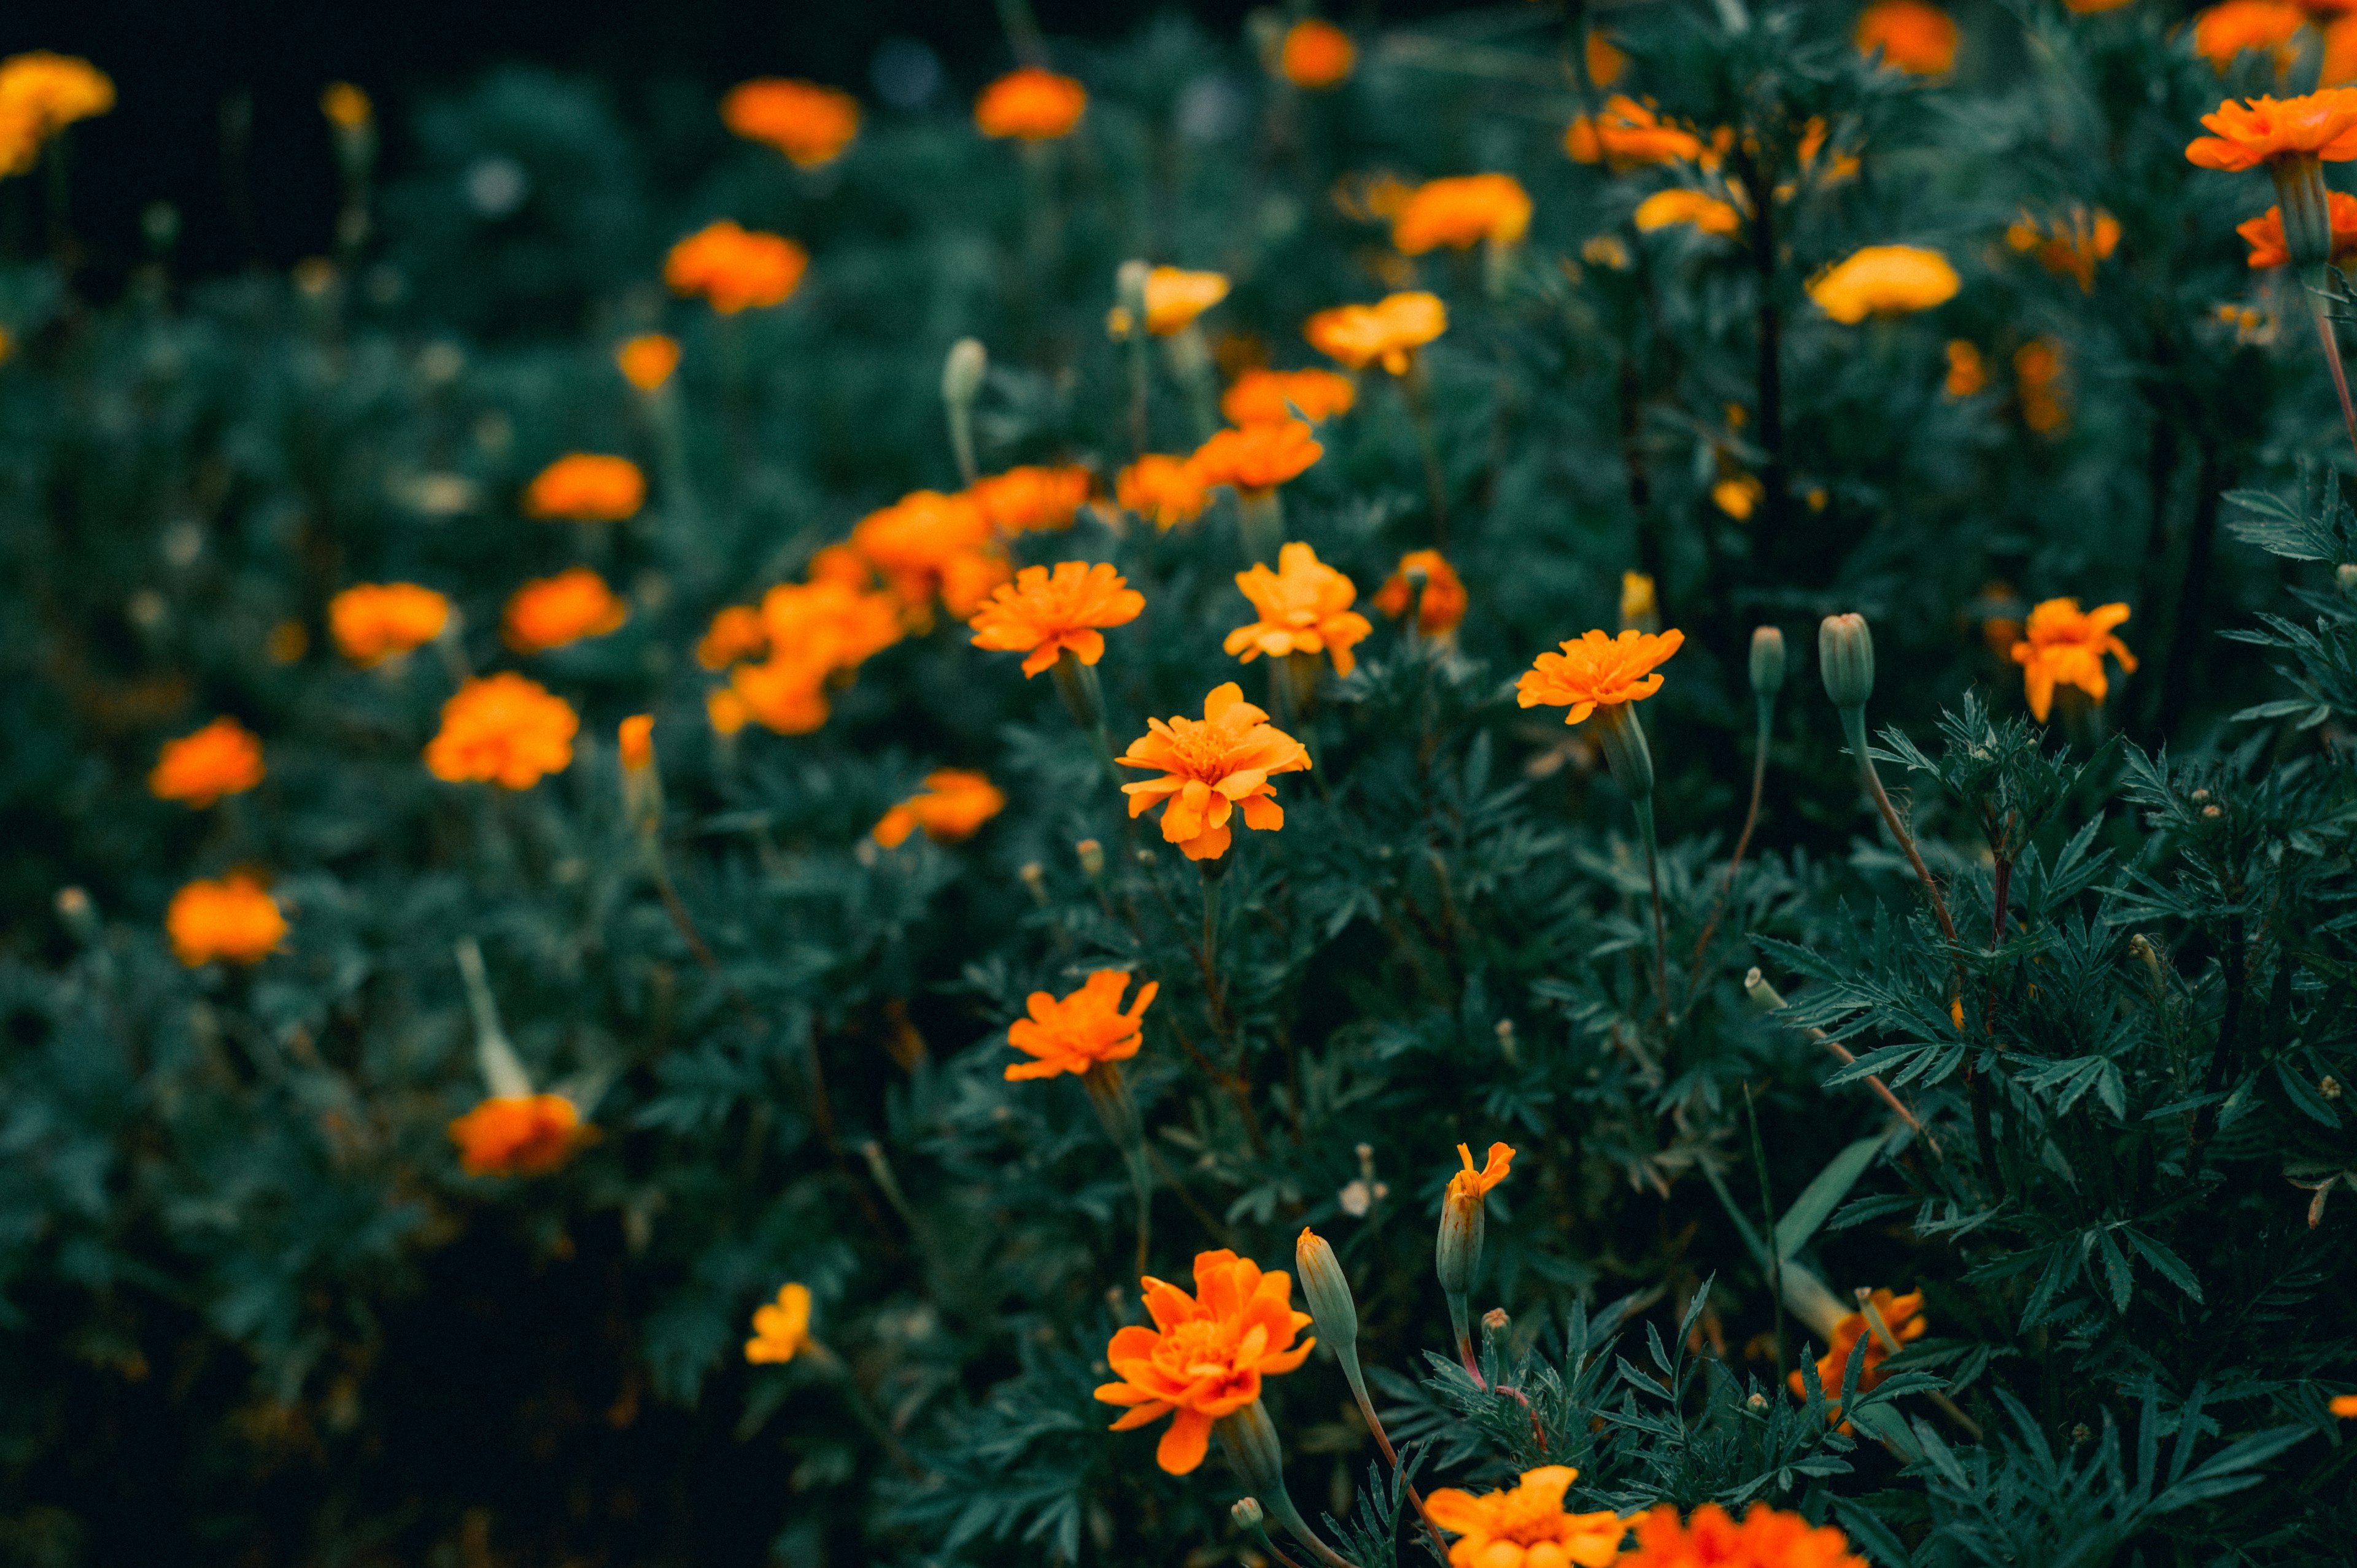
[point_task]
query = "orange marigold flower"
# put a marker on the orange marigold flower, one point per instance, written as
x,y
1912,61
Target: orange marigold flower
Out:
x,y
1475,1181
1042,614
346,107
2064,646
1273,397
1596,671
1442,605
1212,766
1389,331
2037,375
785,694
2322,124
2070,243
1902,1314
736,268
1164,489
1884,280
1032,497
1703,210
736,633
1316,55
2222,32
233,918
1305,607
587,487
810,123
648,359
1525,1526
519,1135
1966,371
951,807
374,622
2265,233
549,612
2344,1406
828,624
40,94
1175,297
1460,212
1078,1031
1258,457
1030,104
502,729
1206,1354
223,759
918,542
1629,133
780,1328
1766,1539
1913,36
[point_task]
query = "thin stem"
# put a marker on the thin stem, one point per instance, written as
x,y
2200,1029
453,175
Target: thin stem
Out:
x,y
1413,388
1742,844
1853,725
2332,362
1644,804
1768,1212
1357,1379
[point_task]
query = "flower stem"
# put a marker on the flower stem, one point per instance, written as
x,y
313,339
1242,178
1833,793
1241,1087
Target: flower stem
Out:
x,y
1412,387
1751,821
1352,1374
2332,362
1854,729
1644,804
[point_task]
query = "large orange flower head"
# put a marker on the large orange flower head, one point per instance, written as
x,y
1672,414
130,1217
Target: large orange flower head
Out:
x,y
927,544
736,268
1768,1537
587,487
1074,1034
1032,498
1273,397
1175,297
1525,1526
2265,233
2321,124
1165,490
1206,1354
1042,613
1388,332
781,1328
1304,607
1596,671
223,759
1461,212
1211,767
1629,133
648,359
1902,1314
1884,280
376,621
2223,31
1258,457
519,1135
1473,1183
1915,38
1030,104
1442,604
502,729
951,807
1316,55
40,94
2064,646
233,918
810,123
549,612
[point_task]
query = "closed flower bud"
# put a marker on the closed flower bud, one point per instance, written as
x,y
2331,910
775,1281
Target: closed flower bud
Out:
x,y
2344,576
1456,1252
1249,1438
1767,661
1092,856
1328,1289
961,373
1846,660
1246,1512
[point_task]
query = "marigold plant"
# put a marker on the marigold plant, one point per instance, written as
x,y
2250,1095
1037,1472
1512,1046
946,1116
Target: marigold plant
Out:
x,y
1388,332
502,729
587,487
1212,768
1206,1355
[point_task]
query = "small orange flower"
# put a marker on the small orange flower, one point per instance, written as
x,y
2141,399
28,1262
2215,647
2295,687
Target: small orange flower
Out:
x,y
40,94
1597,671
2070,244
587,487
2064,646
1316,55
346,106
785,694
2265,233
736,633
1042,614
1629,133
1884,280
736,268
549,612
1273,397
1258,457
1474,1183
2037,375
1390,331
951,807
1641,601
1766,1539
637,739
1032,498
828,624
810,123
519,1135
1966,371
1442,606
2222,32
780,1328
1305,607
1078,1031
1704,211
223,759
2322,124
1739,496
234,918
2344,1406
1915,38
1460,212
648,359
1206,1354
376,621
1030,104
927,544
502,729
1164,489
1526,1526
1902,1314
1175,297
1211,767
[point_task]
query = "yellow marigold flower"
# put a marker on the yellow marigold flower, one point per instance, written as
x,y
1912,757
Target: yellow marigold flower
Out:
x,y
1766,1539
1030,104
736,268
1596,671
1305,607
810,123
1078,1031
1211,767
1739,496
2222,32
1258,457
1913,36
1460,212
502,729
1526,1526
1175,297
1967,372
233,918
1316,55
1390,331
2070,244
2037,375
1629,132
1475,1181
1442,604
1884,280
918,542
1042,614
648,359
1704,211
1273,397
2322,124
223,759
951,807
780,1328
1902,1314
2064,646
40,94
1164,489
1032,498
2265,233
587,487
346,106
519,1135
549,612
374,622
1206,1354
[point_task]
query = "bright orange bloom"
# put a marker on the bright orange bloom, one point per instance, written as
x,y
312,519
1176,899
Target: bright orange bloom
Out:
x,y
2266,232
374,622
1030,104
780,1328
828,624
1258,457
810,123
549,612
1164,489
587,487
951,807
648,359
1175,297
1078,1031
1766,1539
1442,606
2038,377
1273,397
1043,615
736,633
1206,1354
2322,124
1902,1314
223,759
1390,331
502,729
1629,132
1032,497
1525,1526
2222,32
2064,646
1460,212
2344,1406
1605,62
1966,371
346,106
1915,38
1305,607
637,739
1704,211
736,268
785,694
1212,766
1884,280
233,918
1597,671
519,1135
1316,55
928,543
1475,1181
40,94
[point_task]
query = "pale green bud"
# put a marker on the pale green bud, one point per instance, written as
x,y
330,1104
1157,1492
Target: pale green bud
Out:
x,y
1846,660
1767,661
1327,1290
963,372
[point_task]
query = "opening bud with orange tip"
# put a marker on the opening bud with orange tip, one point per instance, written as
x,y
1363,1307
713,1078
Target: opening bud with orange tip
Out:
x,y
1767,663
1846,660
1456,1250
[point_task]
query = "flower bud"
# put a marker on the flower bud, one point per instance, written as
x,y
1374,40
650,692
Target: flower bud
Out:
x,y
79,914
1327,1290
642,785
1456,1252
2344,578
1129,300
1846,660
961,373
1246,1512
1767,660
1625,751
1249,1439
1092,856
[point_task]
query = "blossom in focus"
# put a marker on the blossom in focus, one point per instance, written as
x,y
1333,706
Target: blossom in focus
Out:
x,y
1966,371
928,546
1031,497
1030,104
1258,457
519,1135
1304,607
1768,1537
951,807
810,123
2265,233
648,359
1388,332
502,729
1629,133
549,612
2259,130
736,268
1442,605
1272,397
40,94
781,1328
1206,1354
1902,1314
1165,490
1596,671
1704,211
587,487
376,621
223,759
2070,244
1525,1526
1884,280
1175,297
1211,767
1316,55
1913,36
2062,645
1462,211
1475,1181
1041,614
233,918
2038,378
1077,1032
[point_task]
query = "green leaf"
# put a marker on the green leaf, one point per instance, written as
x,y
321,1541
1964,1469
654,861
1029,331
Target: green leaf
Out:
x,y
1823,1195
